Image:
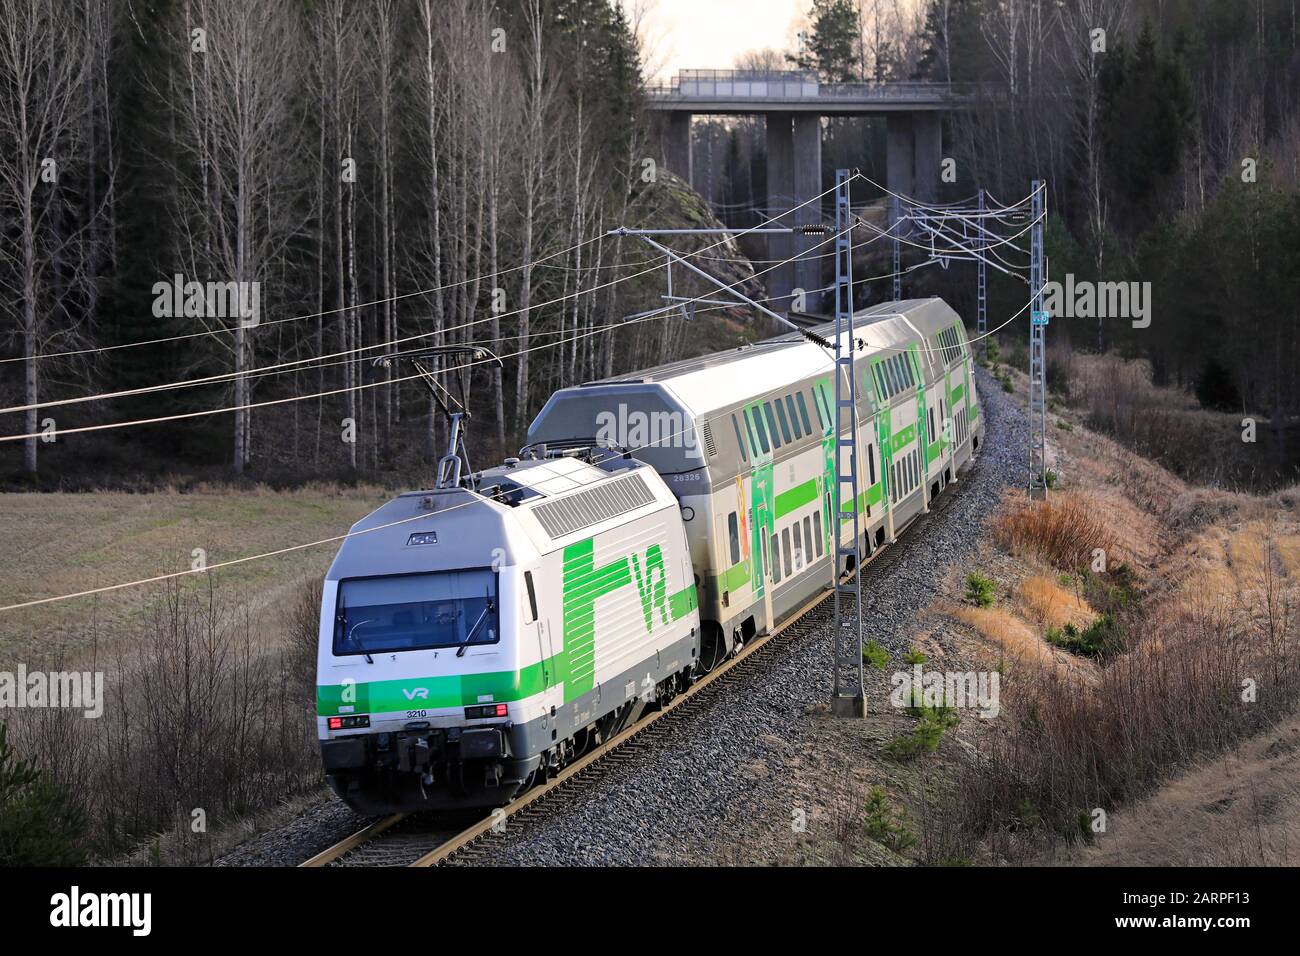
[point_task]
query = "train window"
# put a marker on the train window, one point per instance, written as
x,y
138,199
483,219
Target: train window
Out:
x,y
749,427
776,559
762,433
817,531
807,539
908,369
771,425
794,419
740,439
532,597
891,372
826,408
880,384
798,548
785,549
733,537
803,412
871,462
411,612
780,417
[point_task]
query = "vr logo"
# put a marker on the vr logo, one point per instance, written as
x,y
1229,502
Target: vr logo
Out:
x,y
420,692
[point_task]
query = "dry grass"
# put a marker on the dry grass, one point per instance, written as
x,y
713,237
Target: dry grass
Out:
x,y
63,543
1238,809
1062,531
1050,605
1016,639
1069,745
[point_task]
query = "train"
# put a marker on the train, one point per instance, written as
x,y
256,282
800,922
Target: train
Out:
x,y
477,637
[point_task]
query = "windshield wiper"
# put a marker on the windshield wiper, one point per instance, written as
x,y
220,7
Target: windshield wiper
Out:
x,y
352,640
469,638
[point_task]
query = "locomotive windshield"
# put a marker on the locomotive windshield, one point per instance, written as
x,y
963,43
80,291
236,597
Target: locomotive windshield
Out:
x,y
414,612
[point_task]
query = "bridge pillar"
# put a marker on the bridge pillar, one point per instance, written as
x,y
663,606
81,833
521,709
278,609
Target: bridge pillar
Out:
x,y
899,152
928,134
807,184
676,133
780,190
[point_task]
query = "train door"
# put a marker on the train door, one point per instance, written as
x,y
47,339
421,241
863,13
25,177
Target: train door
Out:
x,y
533,621
762,560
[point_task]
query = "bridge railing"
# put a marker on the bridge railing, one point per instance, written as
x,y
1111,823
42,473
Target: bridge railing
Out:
x,y
739,83
797,84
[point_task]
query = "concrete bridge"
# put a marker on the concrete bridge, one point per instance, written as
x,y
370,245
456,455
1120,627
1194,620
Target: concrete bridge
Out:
x,y
792,104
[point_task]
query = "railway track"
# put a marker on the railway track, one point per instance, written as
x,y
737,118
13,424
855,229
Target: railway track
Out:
x,y
413,840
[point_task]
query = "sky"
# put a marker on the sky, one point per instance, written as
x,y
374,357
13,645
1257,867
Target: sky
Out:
x,y
710,34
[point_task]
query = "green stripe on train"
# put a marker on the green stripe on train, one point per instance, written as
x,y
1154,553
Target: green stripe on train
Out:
x,y
575,665
796,497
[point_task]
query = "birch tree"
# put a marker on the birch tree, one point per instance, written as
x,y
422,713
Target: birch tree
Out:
x,y
44,62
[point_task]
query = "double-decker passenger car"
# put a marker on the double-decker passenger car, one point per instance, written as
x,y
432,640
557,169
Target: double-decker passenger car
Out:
x,y
744,440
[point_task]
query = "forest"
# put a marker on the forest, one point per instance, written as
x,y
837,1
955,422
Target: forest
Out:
x,y
411,173
1169,141
419,173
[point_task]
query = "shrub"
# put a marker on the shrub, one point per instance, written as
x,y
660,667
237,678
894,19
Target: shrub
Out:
x,y
39,824
1061,531
200,714
875,655
885,825
980,590
926,735
1101,638
1067,740
913,657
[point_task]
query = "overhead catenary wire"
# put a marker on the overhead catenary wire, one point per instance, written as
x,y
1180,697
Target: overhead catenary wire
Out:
x,y
290,549
181,416
294,548
362,305
314,362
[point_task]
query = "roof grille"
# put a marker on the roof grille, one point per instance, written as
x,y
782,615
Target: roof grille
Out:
x,y
586,508
707,430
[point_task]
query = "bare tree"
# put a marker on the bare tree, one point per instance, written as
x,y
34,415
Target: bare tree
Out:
x,y
1080,20
235,143
45,58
